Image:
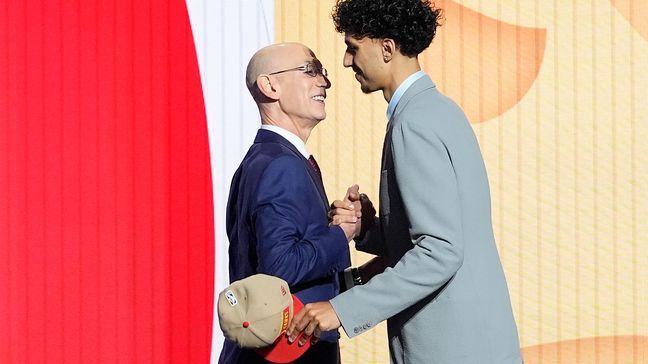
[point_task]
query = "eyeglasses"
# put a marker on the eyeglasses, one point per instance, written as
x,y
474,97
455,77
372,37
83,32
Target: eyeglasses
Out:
x,y
312,69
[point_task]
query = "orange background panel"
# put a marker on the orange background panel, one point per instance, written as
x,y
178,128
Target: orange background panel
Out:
x,y
617,349
469,63
636,12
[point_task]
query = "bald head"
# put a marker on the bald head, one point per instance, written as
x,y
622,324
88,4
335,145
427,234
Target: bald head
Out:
x,y
273,58
288,84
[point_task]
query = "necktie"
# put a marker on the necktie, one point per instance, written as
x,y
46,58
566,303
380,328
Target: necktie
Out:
x,y
315,166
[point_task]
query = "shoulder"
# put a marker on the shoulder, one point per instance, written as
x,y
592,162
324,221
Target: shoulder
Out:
x,y
271,155
432,104
271,150
287,163
430,111
270,166
284,168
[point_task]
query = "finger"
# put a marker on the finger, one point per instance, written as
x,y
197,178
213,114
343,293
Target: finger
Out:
x,y
308,332
354,209
340,219
353,193
346,204
292,333
316,336
343,211
303,339
366,202
294,325
358,208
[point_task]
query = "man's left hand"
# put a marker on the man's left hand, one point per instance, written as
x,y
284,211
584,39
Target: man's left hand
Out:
x,y
312,320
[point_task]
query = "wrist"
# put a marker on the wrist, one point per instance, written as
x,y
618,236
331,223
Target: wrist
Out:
x,y
352,277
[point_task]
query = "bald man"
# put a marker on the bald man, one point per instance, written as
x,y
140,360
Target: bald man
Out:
x,y
277,219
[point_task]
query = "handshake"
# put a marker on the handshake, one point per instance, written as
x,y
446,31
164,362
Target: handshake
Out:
x,y
354,214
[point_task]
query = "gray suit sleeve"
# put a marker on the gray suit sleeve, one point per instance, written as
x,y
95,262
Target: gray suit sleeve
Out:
x,y
427,184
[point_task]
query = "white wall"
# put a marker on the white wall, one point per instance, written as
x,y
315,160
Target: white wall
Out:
x,y
226,34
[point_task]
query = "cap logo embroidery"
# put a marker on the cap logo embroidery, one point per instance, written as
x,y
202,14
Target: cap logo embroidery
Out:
x,y
284,321
231,298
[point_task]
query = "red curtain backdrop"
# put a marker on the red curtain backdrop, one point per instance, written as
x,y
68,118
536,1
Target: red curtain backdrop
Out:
x,y
106,213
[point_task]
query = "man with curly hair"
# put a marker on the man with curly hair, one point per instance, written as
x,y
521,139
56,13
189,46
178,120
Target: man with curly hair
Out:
x,y
443,291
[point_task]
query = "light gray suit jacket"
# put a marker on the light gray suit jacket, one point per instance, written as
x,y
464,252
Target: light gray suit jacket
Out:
x,y
444,294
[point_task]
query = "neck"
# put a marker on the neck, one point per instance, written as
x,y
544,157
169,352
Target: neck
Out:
x,y
284,121
402,67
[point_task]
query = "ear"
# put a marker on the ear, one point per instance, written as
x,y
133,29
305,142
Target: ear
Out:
x,y
388,47
267,88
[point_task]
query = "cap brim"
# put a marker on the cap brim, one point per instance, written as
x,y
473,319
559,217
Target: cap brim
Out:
x,y
282,351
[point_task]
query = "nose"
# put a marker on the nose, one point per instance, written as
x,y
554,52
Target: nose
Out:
x,y
347,61
323,81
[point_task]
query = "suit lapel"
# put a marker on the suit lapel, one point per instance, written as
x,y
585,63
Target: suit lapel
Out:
x,y
417,87
266,136
317,180
387,144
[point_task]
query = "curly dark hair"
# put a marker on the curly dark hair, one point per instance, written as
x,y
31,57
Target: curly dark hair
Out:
x,y
410,23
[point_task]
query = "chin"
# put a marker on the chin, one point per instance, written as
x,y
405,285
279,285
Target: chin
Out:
x,y
366,89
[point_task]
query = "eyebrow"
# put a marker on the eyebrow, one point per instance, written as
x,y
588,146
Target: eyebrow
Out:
x,y
349,44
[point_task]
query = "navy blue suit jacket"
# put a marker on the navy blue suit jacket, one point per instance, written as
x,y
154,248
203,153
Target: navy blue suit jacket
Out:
x,y
277,224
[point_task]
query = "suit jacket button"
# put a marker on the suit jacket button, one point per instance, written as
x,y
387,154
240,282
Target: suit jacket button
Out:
x,y
355,330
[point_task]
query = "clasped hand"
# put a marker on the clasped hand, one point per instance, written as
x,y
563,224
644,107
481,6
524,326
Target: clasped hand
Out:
x,y
348,212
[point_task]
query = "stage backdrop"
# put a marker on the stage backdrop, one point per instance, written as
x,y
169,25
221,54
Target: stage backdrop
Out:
x,y
107,219
556,92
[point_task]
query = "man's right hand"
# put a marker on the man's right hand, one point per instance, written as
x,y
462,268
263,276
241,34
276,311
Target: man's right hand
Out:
x,y
355,209
347,212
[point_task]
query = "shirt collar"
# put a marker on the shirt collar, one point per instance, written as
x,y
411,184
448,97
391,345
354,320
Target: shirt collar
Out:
x,y
401,90
292,138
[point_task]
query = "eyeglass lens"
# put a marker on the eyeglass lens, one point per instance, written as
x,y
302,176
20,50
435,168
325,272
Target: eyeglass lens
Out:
x,y
315,68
